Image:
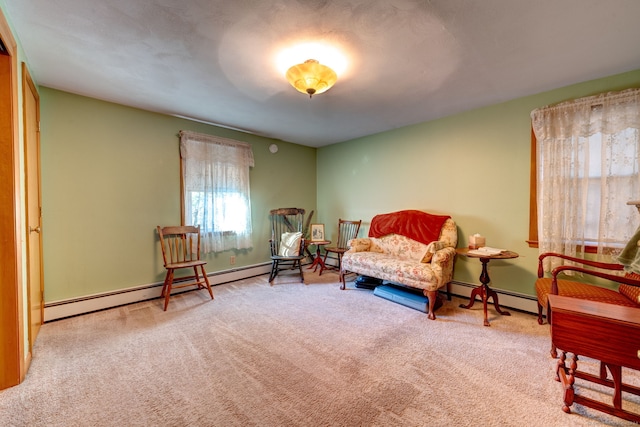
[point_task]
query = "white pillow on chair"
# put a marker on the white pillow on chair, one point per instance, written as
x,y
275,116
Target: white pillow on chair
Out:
x,y
290,244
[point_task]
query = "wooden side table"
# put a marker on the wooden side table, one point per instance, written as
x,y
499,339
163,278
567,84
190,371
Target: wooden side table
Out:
x,y
606,332
317,261
484,291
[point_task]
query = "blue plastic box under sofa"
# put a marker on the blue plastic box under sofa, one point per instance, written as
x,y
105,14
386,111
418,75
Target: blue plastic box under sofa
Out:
x,y
405,297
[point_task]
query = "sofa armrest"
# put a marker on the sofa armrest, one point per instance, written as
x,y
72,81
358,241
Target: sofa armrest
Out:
x,y
442,264
443,256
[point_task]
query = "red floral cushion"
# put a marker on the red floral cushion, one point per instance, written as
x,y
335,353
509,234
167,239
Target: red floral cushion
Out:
x,y
583,291
631,292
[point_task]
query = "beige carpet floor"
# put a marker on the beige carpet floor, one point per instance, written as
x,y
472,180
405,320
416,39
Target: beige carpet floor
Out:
x,y
294,355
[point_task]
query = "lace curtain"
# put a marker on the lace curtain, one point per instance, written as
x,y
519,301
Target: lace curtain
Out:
x,y
588,163
216,189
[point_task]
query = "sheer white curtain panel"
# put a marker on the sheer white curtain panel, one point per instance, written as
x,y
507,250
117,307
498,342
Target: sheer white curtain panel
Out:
x,y
588,169
216,189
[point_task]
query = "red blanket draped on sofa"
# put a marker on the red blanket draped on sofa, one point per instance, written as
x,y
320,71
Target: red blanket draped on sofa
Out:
x,y
416,225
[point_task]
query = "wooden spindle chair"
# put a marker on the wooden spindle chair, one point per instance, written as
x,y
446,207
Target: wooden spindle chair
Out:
x,y
181,249
347,230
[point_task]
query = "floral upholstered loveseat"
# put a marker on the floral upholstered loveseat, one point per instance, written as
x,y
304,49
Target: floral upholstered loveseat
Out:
x,y
411,248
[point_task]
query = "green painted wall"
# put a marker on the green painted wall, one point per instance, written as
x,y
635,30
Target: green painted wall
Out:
x,y
110,174
473,166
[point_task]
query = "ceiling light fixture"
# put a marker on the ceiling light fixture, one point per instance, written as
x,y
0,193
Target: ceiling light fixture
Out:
x,y
311,77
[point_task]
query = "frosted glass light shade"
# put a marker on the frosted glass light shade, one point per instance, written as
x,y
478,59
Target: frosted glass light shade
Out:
x,y
311,77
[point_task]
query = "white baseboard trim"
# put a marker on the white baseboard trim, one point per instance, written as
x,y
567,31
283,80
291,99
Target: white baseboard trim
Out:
x,y
72,307
515,300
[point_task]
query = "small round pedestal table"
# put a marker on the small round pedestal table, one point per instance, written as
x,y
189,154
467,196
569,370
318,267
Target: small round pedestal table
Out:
x,y
484,291
317,260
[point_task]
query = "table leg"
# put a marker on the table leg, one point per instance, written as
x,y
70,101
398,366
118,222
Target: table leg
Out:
x,y
482,292
492,294
474,293
566,376
485,292
317,261
616,373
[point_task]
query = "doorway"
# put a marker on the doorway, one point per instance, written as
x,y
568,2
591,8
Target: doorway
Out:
x,y
13,364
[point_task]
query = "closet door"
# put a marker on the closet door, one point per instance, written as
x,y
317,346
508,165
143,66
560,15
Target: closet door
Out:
x,y
35,283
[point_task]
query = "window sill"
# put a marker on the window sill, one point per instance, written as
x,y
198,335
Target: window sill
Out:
x,y
588,249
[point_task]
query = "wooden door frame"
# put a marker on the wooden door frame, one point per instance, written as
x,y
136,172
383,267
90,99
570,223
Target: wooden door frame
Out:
x,y
13,364
28,88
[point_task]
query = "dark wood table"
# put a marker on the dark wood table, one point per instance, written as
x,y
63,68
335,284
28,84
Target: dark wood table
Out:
x,y
606,332
317,261
484,291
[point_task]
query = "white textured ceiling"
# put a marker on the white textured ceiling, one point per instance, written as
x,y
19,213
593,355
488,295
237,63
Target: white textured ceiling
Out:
x,y
409,61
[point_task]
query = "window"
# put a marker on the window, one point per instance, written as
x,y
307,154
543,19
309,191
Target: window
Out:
x,y
231,206
215,189
585,168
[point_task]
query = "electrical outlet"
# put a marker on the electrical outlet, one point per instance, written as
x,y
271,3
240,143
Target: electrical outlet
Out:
x,y
232,259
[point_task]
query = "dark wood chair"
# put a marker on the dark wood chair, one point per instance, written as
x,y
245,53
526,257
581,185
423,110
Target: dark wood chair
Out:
x,y
347,230
287,241
181,249
305,234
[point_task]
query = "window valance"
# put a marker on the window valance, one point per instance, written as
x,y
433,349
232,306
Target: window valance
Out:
x,y
198,149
